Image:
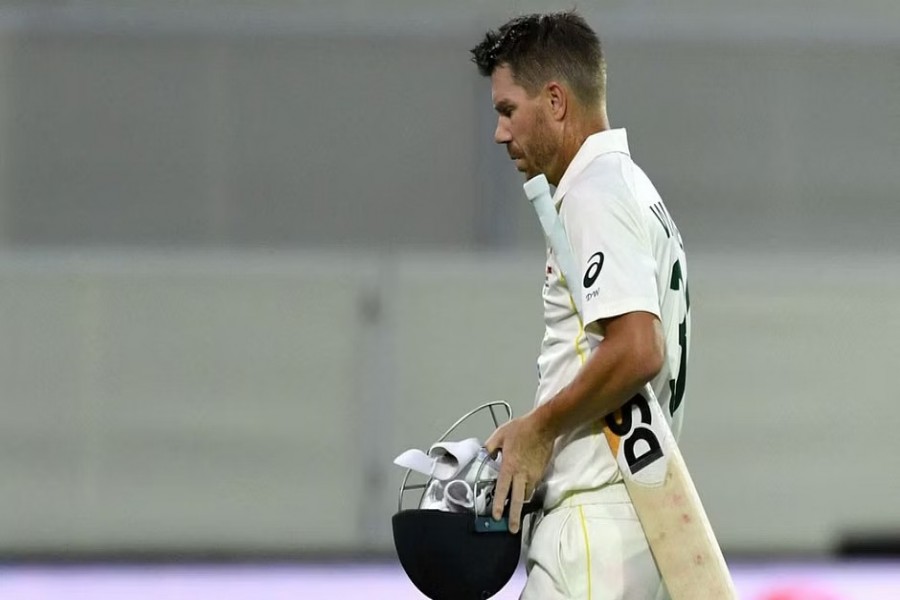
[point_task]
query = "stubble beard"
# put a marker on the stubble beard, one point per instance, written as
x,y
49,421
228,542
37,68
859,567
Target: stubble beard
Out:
x,y
544,148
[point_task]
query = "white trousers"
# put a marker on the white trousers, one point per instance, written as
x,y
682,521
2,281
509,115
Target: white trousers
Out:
x,y
591,547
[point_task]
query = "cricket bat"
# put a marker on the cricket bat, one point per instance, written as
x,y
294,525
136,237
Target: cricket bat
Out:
x,y
662,492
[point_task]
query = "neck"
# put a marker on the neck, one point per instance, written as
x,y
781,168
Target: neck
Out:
x,y
574,133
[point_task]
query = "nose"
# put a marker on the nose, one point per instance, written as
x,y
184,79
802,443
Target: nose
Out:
x,y
501,133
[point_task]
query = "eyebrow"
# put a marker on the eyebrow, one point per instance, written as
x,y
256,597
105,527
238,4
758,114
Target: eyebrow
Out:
x,y
503,105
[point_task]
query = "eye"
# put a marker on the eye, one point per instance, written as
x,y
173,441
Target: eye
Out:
x,y
504,110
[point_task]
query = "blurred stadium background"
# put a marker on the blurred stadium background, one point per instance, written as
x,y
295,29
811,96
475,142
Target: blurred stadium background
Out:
x,y
250,251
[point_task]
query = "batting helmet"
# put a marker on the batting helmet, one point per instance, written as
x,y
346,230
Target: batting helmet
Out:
x,y
456,555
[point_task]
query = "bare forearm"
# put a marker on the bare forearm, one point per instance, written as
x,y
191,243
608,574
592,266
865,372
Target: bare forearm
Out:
x,y
615,371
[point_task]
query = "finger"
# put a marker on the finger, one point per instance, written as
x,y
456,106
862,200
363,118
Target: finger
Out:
x,y
501,491
494,443
529,491
516,501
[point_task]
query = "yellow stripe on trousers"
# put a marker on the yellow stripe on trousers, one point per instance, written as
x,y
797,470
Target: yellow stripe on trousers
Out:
x,y
587,550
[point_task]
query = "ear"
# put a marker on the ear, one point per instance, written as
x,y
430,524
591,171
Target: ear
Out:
x,y
559,100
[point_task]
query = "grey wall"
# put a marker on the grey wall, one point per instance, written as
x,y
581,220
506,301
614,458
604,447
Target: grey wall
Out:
x,y
254,401
297,129
248,252
289,141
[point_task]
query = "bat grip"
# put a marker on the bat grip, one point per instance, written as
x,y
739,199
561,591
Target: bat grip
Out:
x,y
537,190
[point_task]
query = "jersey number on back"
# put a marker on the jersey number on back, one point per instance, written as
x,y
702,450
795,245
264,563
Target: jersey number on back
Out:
x,y
676,386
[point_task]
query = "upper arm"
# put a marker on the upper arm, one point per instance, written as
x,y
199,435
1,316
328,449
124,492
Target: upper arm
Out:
x,y
613,252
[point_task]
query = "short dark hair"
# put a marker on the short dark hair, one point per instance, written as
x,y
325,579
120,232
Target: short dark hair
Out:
x,y
541,47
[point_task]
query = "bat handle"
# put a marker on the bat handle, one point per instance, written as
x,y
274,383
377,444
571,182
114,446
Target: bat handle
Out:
x,y
537,190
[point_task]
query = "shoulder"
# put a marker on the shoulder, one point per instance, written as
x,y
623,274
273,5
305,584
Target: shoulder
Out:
x,y
606,184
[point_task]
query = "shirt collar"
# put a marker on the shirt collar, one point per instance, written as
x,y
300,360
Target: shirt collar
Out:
x,y
603,142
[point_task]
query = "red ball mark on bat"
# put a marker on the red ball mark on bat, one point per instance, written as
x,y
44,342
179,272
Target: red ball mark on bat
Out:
x,y
685,518
698,559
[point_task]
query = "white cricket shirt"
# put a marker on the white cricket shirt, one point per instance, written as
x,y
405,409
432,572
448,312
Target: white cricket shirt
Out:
x,y
631,258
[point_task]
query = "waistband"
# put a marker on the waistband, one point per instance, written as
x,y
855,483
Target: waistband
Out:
x,y
614,493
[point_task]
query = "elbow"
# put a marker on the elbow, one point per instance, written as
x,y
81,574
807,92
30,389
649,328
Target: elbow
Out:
x,y
652,363
639,341
650,356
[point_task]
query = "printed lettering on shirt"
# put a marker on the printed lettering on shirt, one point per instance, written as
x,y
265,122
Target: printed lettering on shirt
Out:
x,y
595,264
665,219
659,211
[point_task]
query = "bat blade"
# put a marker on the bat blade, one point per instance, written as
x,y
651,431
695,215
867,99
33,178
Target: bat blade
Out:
x,y
667,504
680,536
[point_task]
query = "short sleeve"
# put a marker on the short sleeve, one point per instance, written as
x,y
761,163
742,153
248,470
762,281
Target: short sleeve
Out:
x,y
612,249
